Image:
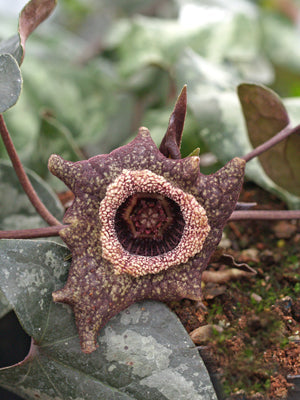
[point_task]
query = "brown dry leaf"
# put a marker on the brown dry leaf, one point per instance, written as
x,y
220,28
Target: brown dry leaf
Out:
x,y
240,205
34,13
284,230
212,290
226,275
204,333
219,256
239,270
250,254
279,386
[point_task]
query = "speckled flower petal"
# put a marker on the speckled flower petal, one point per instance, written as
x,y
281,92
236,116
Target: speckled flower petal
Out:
x,y
93,289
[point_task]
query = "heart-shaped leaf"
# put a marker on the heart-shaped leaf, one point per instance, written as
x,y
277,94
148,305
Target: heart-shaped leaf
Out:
x,y
137,358
265,115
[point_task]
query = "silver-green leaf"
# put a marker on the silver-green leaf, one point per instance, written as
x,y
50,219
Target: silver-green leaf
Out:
x,y
10,81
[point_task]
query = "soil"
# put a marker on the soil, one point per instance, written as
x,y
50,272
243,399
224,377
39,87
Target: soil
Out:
x,y
252,345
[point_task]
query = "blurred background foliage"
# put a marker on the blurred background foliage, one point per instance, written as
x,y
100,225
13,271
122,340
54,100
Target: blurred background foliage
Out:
x,y
97,70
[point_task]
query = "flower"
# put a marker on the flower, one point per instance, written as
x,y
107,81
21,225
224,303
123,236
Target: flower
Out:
x,y
143,225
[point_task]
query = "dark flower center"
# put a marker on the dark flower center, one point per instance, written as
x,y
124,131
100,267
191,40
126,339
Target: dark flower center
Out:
x,y
149,224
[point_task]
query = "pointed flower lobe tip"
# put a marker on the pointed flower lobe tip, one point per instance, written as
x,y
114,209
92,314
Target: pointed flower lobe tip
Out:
x,y
143,131
193,163
58,166
54,163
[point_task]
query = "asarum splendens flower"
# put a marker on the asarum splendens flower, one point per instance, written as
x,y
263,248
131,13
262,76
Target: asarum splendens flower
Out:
x,y
143,225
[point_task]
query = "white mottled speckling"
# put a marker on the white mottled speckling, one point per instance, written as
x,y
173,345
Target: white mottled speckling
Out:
x,y
142,353
182,368
41,304
128,318
134,315
5,272
53,262
184,389
31,279
111,368
43,291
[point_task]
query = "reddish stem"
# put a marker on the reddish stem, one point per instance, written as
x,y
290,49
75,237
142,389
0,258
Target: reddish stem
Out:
x,y
32,233
264,215
283,134
23,178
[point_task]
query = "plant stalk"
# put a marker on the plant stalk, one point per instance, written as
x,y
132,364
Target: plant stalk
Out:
x,y
23,178
32,233
283,134
264,215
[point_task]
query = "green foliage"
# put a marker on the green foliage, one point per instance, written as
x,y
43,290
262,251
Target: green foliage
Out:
x,y
12,51
100,89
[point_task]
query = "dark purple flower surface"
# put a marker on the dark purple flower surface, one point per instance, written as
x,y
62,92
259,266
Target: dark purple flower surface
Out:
x,y
143,225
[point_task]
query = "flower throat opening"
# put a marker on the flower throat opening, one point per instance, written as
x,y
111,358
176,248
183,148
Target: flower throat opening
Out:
x,y
149,224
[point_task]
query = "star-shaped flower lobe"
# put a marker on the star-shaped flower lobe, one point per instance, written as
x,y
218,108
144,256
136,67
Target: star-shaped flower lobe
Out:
x,y
142,225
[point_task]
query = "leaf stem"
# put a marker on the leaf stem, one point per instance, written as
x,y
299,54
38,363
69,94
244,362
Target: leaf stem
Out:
x,y
265,215
283,134
23,178
32,233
